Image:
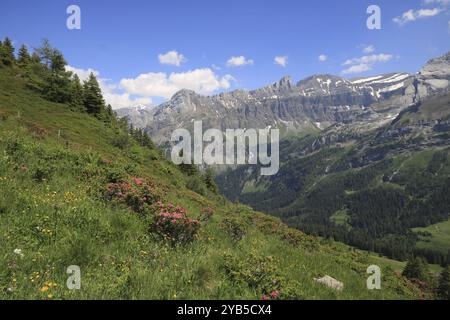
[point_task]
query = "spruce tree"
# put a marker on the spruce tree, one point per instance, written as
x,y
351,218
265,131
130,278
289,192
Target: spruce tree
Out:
x,y
24,59
209,181
416,268
58,88
76,95
1,53
57,62
443,290
93,99
7,52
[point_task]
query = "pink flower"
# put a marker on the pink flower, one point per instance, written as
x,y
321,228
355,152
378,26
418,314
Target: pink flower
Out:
x,y
274,294
137,181
264,297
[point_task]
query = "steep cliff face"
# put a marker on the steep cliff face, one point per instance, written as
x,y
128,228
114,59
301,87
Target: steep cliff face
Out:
x,y
434,78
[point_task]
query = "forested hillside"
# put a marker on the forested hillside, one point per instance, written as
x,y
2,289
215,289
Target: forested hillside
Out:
x,y
368,189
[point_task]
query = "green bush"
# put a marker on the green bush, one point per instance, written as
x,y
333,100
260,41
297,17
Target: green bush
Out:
x,y
196,185
259,273
121,141
234,228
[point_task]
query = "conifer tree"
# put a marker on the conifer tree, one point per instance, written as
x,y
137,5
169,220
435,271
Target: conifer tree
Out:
x,y
1,53
93,99
57,62
416,268
45,52
24,58
76,95
209,181
7,52
444,284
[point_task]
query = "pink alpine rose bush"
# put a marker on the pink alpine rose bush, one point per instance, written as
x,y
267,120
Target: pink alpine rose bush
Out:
x,y
138,194
172,223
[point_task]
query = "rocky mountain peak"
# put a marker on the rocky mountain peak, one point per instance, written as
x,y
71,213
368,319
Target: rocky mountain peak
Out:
x,y
284,83
183,93
434,78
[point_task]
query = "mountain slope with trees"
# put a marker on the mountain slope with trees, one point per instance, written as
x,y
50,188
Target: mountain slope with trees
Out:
x,y
370,189
80,187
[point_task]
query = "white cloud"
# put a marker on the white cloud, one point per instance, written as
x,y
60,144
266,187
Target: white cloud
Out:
x,y
365,63
413,15
323,58
203,81
371,59
110,90
239,61
83,74
369,49
172,58
281,60
124,100
140,90
359,68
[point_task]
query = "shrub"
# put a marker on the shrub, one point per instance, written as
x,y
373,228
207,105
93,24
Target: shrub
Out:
x,y
122,141
259,273
206,214
416,268
41,173
195,184
233,228
139,194
173,224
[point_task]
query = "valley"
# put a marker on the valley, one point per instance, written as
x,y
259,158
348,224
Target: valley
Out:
x,y
364,161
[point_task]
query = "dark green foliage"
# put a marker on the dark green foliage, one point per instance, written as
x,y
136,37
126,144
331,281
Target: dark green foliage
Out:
x,y
143,138
122,141
383,203
57,87
188,169
76,95
416,268
209,181
24,58
196,184
93,99
443,290
437,162
45,53
7,52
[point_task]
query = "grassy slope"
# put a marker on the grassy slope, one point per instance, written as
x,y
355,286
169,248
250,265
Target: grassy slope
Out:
x,y
440,236
61,221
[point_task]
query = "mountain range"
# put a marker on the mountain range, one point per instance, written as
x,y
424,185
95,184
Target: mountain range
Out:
x,y
363,160
316,102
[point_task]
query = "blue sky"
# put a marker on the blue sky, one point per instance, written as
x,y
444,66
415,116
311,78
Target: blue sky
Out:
x,y
126,42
